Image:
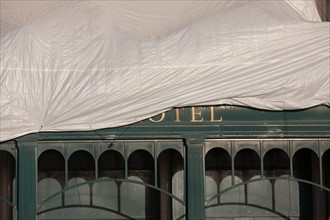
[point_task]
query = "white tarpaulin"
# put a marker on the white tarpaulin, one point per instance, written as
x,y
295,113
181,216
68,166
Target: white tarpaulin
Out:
x,y
83,65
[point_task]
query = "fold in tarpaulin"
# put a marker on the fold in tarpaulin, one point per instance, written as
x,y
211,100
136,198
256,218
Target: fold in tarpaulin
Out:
x,y
83,65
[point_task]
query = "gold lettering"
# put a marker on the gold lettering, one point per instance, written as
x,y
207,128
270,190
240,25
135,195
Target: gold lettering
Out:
x,y
212,116
177,115
159,120
193,115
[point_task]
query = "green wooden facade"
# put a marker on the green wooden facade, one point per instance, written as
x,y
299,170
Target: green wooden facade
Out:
x,y
213,162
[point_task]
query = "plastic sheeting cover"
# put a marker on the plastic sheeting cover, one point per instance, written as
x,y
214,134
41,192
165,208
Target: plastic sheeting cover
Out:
x,y
83,65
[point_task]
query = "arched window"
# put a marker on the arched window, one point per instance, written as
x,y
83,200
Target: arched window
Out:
x,y
51,164
140,168
276,163
81,164
81,168
218,164
247,164
284,196
141,164
51,178
7,175
169,163
217,168
111,164
306,167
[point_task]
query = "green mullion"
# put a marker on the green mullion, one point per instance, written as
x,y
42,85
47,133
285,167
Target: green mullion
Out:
x,y
155,156
27,177
291,159
126,160
96,159
195,176
232,163
66,167
320,162
261,150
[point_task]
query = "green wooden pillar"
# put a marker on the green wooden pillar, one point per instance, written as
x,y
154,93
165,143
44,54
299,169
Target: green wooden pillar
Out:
x,y
195,198
27,177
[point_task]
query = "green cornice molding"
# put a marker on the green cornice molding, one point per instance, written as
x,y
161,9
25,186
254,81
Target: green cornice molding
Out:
x,y
209,122
28,140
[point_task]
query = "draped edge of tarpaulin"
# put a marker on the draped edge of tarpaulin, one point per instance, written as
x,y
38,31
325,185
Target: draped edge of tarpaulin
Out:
x,y
86,65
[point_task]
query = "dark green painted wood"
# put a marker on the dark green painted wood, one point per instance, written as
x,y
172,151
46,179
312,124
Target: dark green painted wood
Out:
x,y
27,177
237,122
195,180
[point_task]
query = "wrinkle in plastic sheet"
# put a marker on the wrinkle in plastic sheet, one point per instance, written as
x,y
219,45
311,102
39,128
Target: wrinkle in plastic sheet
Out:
x,y
83,65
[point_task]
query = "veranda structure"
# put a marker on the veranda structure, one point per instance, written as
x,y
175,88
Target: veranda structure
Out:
x,y
213,162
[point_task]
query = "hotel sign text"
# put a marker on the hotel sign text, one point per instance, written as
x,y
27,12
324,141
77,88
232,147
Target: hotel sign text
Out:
x,y
209,114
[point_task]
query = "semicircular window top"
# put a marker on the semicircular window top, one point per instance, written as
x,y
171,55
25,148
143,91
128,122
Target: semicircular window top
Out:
x,y
111,164
276,163
81,164
247,164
